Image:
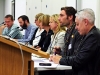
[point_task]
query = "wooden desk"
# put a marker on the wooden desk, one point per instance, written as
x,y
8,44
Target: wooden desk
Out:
x,y
15,62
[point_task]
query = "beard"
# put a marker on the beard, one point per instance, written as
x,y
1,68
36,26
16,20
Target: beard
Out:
x,y
24,26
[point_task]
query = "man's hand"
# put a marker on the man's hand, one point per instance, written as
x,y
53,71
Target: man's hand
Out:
x,y
55,58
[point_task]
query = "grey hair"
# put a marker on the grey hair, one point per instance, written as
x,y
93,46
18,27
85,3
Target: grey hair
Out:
x,y
86,14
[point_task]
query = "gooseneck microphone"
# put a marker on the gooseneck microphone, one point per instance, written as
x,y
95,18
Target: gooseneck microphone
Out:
x,y
21,29
2,23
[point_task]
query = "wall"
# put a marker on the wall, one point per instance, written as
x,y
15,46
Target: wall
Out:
x,y
50,7
7,7
20,9
71,3
32,7
2,5
94,6
98,14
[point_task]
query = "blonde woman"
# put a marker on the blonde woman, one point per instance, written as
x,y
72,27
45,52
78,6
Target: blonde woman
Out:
x,y
59,32
36,36
46,35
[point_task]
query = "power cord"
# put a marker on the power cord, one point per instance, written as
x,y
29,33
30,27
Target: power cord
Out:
x,y
6,37
21,54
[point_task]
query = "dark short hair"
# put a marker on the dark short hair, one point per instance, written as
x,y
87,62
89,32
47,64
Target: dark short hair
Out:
x,y
7,16
70,11
24,17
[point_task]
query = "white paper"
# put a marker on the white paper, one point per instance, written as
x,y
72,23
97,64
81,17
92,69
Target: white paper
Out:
x,y
43,60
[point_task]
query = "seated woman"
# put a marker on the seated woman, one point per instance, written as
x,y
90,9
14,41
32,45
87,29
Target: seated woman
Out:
x,y
46,35
59,32
36,36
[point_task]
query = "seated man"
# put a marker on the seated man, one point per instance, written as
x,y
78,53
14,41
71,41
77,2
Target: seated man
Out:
x,y
29,28
11,30
84,59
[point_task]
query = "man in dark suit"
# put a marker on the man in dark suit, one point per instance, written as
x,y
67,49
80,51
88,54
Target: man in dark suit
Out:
x,y
72,37
84,58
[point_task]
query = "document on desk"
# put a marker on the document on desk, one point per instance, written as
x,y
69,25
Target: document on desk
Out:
x,y
45,61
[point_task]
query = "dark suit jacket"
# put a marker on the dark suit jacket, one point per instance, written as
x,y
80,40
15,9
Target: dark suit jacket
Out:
x,y
72,40
83,61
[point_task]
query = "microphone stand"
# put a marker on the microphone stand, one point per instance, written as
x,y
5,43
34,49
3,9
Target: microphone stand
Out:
x,y
2,23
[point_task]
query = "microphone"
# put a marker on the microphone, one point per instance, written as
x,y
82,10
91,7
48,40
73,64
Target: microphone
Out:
x,y
2,23
21,29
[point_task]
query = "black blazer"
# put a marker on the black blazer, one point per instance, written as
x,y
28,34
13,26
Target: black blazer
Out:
x,y
72,39
45,40
84,59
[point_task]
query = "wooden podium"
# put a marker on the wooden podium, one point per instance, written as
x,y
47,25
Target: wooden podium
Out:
x,y
15,62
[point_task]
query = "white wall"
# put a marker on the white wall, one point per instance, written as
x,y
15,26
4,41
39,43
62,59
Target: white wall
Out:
x,y
78,4
34,6
98,14
71,3
2,11
45,6
56,6
20,9
94,6
7,7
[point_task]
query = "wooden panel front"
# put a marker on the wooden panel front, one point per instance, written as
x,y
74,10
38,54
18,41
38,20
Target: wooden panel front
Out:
x,y
25,48
11,60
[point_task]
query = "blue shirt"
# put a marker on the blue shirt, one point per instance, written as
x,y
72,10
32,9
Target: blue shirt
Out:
x,y
28,33
12,32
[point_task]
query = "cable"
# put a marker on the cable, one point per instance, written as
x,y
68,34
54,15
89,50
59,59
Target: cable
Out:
x,y
8,38
21,54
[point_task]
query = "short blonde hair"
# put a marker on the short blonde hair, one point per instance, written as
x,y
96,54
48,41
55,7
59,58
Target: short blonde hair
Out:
x,y
55,17
38,15
44,19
